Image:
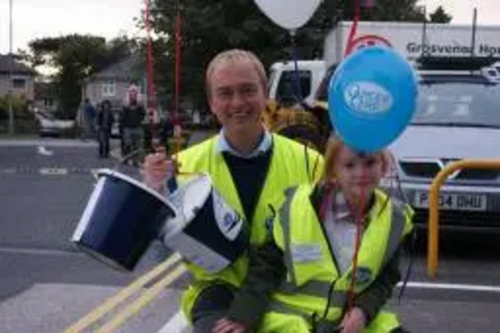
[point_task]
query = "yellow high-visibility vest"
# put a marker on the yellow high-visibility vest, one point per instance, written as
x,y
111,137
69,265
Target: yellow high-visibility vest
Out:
x,y
291,164
314,287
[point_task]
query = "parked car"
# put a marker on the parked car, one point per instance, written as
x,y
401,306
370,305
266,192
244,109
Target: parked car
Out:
x,y
458,117
49,125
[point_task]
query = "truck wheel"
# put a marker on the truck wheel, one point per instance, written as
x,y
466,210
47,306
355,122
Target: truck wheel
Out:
x,y
305,135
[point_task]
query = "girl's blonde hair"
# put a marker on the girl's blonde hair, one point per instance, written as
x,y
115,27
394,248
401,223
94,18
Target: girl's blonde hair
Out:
x,y
235,56
333,147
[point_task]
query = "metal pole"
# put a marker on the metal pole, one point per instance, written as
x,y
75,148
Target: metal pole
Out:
x,y
424,32
11,63
474,26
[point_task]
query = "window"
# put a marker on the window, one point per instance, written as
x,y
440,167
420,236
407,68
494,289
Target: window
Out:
x,y
109,88
49,102
458,103
287,87
18,83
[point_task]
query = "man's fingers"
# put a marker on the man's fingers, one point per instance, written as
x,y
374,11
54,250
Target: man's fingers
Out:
x,y
221,326
226,326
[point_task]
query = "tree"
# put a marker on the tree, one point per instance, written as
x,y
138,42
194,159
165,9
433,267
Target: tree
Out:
x,y
209,29
75,58
440,16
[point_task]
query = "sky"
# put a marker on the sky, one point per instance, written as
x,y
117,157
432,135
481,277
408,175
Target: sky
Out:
x,y
109,18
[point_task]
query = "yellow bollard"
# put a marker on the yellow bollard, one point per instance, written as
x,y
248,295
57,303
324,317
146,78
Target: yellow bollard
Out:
x,y
441,177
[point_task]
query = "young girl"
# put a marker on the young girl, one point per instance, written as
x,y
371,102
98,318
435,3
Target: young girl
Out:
x,y
315,239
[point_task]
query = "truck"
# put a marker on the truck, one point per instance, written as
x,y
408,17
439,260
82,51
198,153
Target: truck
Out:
x,y
305,118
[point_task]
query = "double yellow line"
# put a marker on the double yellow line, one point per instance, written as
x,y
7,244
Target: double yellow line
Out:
x,y
138,304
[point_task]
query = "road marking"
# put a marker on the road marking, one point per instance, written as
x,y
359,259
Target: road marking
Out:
x,y
54,171
8,170
15,250
451,286
44,151
176,324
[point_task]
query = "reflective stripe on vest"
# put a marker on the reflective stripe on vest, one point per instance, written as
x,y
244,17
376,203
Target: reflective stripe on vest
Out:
x,y
285,211
204,158
322,288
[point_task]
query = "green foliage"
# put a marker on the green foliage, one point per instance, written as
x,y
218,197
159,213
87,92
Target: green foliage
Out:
x,y
19,106
440,16
208,28
25,122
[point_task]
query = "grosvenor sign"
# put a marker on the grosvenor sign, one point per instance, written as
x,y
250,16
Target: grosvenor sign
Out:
x,y
481,49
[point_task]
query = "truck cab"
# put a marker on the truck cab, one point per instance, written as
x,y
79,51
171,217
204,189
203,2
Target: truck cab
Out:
x,y
283,86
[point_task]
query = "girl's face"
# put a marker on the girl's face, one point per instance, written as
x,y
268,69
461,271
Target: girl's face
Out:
x,y
357,173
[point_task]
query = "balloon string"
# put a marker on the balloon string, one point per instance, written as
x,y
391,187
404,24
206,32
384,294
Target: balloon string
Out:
x,y
354,29
360,224
298,88
359,217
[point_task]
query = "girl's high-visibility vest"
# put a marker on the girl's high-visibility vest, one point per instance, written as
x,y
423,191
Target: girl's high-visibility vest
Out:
x,y
314,288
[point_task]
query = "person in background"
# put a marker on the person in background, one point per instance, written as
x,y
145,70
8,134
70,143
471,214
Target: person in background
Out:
x,y
314,245
131,120
249,166
87,119
104,123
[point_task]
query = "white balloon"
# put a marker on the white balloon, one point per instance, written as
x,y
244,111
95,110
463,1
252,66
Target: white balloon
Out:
x,y
288,14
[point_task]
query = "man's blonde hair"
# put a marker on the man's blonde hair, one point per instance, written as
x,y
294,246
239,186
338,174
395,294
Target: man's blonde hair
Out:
x,y
235,56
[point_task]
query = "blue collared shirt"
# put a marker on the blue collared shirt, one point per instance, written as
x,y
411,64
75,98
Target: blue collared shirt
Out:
x,y
224,146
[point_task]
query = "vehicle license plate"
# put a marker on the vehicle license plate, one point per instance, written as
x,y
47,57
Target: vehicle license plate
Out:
x,y
454,201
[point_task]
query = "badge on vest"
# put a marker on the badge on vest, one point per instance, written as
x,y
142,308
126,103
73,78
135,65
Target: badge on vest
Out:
x,y
303,253
363,275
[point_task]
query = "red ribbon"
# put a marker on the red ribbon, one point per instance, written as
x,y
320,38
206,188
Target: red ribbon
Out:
x,y
151,95
178,41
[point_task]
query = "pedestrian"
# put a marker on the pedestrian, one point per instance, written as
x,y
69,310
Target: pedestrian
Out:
x,y
104,124
312,248
249,166
87,119
131,120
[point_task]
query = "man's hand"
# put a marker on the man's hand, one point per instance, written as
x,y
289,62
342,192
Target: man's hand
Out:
x,y
227,326
157,168
354,321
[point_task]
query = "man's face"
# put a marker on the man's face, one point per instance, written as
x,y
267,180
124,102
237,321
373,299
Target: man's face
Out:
x,y
132,95
237,96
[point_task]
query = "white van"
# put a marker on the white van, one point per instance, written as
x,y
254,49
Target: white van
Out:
x,y
282,82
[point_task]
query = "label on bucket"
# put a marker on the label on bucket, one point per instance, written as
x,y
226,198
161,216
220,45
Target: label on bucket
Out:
x,y
229,221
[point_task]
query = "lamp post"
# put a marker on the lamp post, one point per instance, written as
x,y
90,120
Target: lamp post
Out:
x,y
11,64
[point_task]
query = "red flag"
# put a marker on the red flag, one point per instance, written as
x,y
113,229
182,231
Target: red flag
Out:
x,y
367,3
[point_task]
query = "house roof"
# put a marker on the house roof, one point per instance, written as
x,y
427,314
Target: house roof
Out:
x,y
126,69
8,62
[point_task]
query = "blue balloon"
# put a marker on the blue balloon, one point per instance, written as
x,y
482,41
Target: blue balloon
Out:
x,y
372,97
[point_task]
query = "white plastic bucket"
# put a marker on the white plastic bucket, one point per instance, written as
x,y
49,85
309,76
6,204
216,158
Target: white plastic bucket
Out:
x,y
206,231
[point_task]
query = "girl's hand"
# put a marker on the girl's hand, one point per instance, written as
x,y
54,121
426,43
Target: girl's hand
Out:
x,y
156,169
354,321
228,326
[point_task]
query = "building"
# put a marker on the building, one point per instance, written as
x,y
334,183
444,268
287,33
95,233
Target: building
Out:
x,y
16,76
113,82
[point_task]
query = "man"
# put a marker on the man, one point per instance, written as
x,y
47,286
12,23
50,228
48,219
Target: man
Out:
x,y
87,119
104,122
249,166
131,120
